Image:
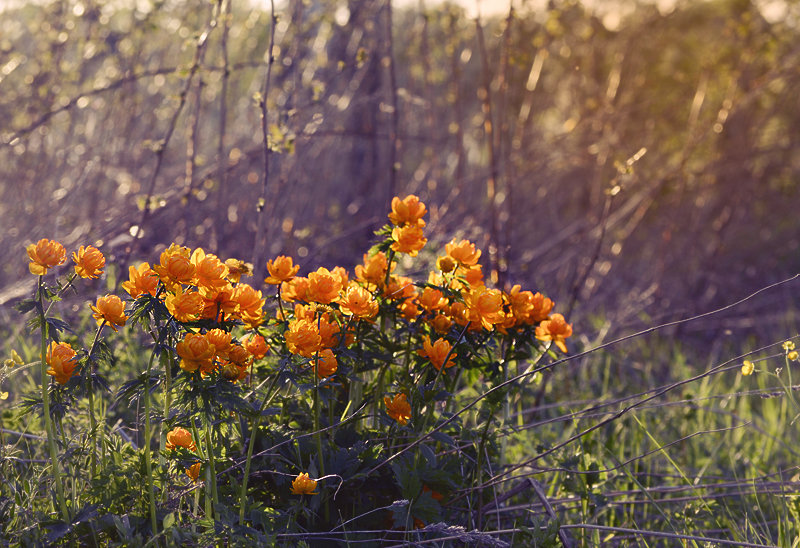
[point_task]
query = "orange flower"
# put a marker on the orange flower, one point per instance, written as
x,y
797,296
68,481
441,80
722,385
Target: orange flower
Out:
x,y
185,306
180,437
485,306
327,365
195,352
329,331
474,276
210,272
528,308
175,267
323,286
45,254
463,252
408,239
398,408
281,270
432,299
303,338
437,352
541,307
408,211
256,345
194,471
62,361
248,300
220,340
458,313
409,309
373,271
554,329
217,302
110,309
303,485
295,290
358,302
238,268
400,288
89,262
441,324
142,279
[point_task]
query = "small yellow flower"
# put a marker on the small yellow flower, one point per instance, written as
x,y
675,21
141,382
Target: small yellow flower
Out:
x,y
89,262
303,485
398,408
747,368
45,254
17,358
788,346
793,355
110,309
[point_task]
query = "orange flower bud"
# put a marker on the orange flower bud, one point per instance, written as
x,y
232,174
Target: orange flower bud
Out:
x,y
194,471
398,408
180,437
327,365
45,254
62,361
303,485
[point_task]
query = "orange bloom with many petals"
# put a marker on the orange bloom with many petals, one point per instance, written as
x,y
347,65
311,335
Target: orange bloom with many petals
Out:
x,y
210,272
295,289
374,269
89,262
400,288
141,279
281,270
408,211
195,352
555,329
485,306
62,361
220,340
437,352
218,302
408,239
441,324
323,286
175,267
358,302
45,254
463,252
303,485
398,408
303,338
110,309
180,437
431,299
185,306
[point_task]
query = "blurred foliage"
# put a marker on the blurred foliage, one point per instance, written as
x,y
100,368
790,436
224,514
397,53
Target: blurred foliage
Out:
x,y
646,168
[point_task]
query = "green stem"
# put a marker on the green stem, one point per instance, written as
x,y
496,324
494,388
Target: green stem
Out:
x,y
90,394
167,404
147,456
267,400
212,473
48,423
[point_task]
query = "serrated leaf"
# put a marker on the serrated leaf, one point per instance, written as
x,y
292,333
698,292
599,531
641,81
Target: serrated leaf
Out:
x,y
26,305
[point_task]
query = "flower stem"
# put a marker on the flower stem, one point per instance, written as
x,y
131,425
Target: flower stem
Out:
x,y
90,394
48,423
251,445
147,457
